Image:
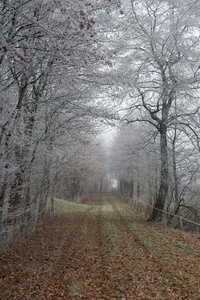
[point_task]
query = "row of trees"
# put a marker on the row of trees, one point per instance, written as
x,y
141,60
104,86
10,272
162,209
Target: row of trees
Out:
x,y
65,68
136,165
49,115
160,61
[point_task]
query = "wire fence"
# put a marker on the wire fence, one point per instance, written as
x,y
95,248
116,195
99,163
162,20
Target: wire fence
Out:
x,y
146,208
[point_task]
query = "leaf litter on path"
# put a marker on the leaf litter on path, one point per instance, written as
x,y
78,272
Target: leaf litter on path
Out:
x,y
104,252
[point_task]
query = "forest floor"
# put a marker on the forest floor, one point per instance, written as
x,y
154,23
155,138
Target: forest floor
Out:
x,y
101,250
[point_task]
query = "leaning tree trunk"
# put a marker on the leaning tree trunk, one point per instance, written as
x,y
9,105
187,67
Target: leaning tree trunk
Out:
x,y
163,188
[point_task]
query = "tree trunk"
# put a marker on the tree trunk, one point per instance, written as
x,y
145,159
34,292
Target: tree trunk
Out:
x,y
138,190
174,162
163,188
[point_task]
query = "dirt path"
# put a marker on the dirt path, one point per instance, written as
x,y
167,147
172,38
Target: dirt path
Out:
x,y
101,253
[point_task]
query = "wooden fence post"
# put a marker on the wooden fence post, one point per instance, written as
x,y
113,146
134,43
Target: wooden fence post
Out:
x,y
52,205
141,207
135,205
164,219
147,211
181,225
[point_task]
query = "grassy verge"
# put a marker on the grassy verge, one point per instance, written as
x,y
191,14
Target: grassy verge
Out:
x,y
64,206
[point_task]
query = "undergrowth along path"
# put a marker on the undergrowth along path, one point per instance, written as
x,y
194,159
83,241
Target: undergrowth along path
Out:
x,y
101,250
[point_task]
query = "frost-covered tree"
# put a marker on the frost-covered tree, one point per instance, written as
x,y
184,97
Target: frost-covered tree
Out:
x,y
157,68
45,47
134,162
